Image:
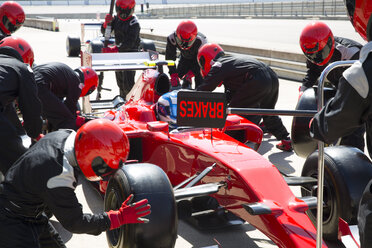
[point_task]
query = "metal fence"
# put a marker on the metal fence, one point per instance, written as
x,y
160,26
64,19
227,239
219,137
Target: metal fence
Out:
x,y
323,9
302,9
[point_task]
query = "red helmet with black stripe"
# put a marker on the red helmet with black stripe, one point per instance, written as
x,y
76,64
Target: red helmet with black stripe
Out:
x,y
206,54
88,78
125,8
317,42
186,33
12,17
359,12
101,148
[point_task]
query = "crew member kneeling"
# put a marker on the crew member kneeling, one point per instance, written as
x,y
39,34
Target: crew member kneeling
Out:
x,y
45,177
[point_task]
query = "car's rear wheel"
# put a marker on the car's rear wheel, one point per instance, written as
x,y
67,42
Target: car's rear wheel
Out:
x,y
347,171
147,45
145,181
73,46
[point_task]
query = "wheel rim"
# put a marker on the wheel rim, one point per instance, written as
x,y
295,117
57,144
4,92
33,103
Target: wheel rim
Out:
x,y
329,200
113,204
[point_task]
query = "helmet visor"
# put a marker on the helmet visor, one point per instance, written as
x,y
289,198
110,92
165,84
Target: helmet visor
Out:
x,y
124,13
9,25
319,56
102,169
184,44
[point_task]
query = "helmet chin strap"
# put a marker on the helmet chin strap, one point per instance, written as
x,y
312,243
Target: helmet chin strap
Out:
x,y
69,150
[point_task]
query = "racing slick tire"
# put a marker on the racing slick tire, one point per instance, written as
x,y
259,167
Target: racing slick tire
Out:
x,y
347,171
73,46
303,145
95,46
145,181
147,45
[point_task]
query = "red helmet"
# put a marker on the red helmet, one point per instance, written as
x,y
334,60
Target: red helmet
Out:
x,y
317,42
359,12
22,47
88,78
185,34
125,8
101,147
206,54
12,17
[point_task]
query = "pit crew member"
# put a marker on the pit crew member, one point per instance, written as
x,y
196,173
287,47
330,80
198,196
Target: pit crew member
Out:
x,y
127,29
248,83
187,40
350,108
59,89
322,48
12,18
17,83
48,172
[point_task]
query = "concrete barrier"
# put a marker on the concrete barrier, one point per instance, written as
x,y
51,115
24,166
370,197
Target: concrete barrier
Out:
x,y
42,23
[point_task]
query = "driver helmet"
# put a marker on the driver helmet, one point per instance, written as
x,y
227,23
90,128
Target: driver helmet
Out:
x,y
317,43
359,12
166,108
88,78
186,34
12,17
21,46
206,54
125,9
101,148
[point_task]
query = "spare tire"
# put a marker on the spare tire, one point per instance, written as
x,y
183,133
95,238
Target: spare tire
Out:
x,y
145,181
303,145
95,46
73,46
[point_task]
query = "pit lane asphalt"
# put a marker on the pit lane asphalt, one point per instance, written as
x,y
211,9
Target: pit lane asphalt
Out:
x,y
50,46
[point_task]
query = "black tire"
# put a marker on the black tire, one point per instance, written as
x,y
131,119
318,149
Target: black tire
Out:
x,y
347,171
73,46
303,145
95,46
144,181
147,45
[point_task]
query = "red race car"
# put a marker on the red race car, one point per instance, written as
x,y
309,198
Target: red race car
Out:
x,y
203,170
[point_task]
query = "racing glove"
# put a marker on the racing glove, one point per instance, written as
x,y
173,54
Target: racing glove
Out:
x,y
80,120
129,213
34,140
112,49
301,90
188,76
108,20
175,82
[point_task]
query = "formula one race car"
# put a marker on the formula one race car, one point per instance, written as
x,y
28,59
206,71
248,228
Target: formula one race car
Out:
x,y
206,165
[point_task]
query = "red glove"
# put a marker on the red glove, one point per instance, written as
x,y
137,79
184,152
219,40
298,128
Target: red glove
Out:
x,y
188,76
174,80
311,122
80,121
108,20
131,213
113,49
33,141
38,137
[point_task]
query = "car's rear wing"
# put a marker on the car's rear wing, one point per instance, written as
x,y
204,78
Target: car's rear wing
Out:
x,y
120,61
